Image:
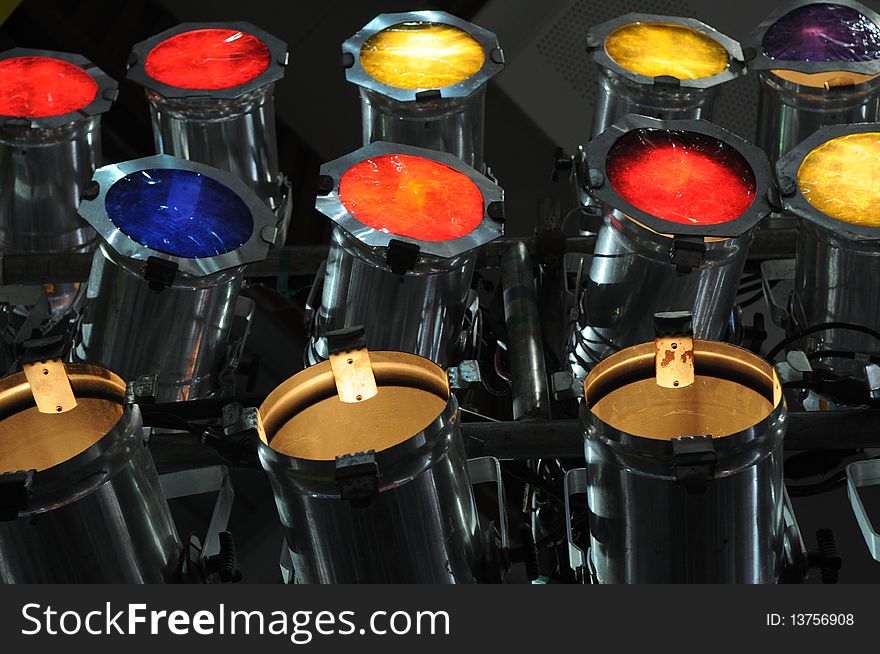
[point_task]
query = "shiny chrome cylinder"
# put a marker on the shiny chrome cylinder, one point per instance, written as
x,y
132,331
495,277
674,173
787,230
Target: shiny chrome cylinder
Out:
x,y
632,276
93,511
661,95
179,333
619,96
453,125
789,112
448,119
42,174
418,522
685,485
830,286
421,311
234,135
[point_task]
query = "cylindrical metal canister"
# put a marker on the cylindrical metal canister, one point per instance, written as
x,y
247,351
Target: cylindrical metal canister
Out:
x,y
81,500
818,65
830,183
684,484
50,143
659,66
374,490
210,87
422,77
408,223
681,201
175,237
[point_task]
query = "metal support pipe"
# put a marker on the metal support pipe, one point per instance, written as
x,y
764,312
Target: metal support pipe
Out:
x,y
525,349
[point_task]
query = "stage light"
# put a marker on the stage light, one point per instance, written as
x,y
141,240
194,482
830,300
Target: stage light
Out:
x,y
659,66
50,132
684,483
422,77
408,223
81,498
371,488
210,87
175,237
818,64
681,200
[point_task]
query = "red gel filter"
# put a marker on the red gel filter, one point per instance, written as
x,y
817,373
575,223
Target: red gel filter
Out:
x,y
37,87
208,59
683,177
412,196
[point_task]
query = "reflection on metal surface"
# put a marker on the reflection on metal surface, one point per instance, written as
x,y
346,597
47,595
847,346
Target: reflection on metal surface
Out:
x,y
50,386
681,176
840,178
665,49
208,59
307,419
412,196
827,80
36,87
422,55
823,32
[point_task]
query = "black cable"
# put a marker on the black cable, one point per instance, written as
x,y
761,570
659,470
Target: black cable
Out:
x,y
749,301
804,490
788,340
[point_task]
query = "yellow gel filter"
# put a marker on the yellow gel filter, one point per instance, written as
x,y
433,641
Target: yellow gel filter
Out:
x,y
421,55
840,178
660,49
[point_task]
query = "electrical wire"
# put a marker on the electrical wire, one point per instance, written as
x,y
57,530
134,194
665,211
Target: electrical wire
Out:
x,y
788,340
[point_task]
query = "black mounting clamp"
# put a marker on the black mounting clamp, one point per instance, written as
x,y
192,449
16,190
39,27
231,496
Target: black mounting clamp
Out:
x,y
160,273
357,477
402,256
687,252
694,461
15,492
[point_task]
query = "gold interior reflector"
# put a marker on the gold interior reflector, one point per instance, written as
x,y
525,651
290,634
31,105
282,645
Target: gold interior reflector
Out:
x,y
31,440
827,80
733,390
841,178
304,417
420,55
658,49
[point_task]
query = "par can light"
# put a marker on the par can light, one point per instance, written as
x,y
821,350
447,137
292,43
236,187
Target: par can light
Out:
x,y
830,182
818,64
210,87
681,200
684,479
660,66
422,77
175,237
365,456
81,501
408,224
50,143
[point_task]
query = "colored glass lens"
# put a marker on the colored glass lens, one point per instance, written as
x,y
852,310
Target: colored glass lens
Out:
x,y
209,59
660,49
683,177
840,178
823,32
38,87
179,212
421,55
411,196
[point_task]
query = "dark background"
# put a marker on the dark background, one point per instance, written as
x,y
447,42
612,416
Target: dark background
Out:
x,y
542,100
